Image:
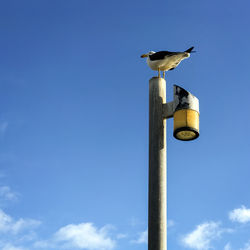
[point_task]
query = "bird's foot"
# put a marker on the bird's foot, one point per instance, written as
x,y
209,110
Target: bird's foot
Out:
x,y
159,73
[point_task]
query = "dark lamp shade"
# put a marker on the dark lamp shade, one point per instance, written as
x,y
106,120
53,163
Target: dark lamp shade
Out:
x,y
186,124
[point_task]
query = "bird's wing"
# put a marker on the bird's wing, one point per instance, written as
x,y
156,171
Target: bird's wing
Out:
x,y
190,50
161,55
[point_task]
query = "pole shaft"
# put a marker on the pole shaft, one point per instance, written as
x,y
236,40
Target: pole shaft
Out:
x,y
157,215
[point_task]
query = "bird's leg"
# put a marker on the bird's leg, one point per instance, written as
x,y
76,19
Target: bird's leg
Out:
x,y
159,73
164,74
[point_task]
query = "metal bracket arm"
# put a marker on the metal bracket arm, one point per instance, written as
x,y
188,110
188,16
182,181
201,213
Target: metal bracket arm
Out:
x,y
168,110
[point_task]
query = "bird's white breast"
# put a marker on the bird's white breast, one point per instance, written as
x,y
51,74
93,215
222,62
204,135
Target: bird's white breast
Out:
x,y
167,63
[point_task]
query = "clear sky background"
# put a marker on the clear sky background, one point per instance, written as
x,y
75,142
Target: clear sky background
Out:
x,y
74,123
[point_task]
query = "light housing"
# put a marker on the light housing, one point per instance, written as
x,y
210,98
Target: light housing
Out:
x,y
186,115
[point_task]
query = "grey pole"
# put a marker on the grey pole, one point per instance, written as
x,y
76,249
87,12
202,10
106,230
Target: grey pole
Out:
x,y
157,214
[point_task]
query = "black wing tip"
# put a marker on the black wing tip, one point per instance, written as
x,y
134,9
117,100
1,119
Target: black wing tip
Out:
x,y
190,50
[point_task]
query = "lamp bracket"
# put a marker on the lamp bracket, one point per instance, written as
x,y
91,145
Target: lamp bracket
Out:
x,y
182,100
167,110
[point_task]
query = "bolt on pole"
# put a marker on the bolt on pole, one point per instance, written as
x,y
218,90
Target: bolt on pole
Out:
x,y
157,213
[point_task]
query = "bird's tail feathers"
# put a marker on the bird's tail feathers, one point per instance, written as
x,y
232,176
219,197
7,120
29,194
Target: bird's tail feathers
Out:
x,y
190,50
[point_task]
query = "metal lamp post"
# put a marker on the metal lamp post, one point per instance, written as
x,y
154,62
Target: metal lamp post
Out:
x,y
185,110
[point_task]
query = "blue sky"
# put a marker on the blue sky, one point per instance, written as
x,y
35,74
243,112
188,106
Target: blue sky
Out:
x,y
74,124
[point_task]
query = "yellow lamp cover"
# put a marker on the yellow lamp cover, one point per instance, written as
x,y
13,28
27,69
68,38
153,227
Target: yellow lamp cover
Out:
x,y
186,124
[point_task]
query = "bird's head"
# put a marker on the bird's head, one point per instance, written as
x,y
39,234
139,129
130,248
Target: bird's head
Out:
x,y
148,54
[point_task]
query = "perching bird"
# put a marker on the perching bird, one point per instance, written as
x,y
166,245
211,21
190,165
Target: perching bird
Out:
x,y
165,60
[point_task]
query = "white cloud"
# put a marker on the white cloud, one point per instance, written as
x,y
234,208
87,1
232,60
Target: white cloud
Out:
x,y
5,222
246,247
228,247
29,236
23,224
85,236
9,225
11,247
121,236
7,194
15,234
43,244
203,235
81,236
241,215
143,238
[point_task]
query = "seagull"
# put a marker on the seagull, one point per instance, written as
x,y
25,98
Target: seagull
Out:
x,y
165,60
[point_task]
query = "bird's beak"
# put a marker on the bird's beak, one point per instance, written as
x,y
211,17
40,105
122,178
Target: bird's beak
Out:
x,y
144,55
